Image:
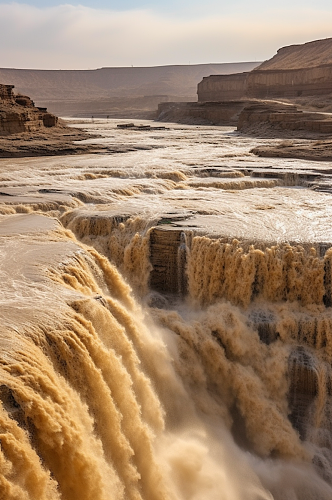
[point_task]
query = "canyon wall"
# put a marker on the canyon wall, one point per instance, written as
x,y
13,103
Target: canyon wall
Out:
x,y
295,71
306,55
262,84
290,82
222,87
250,116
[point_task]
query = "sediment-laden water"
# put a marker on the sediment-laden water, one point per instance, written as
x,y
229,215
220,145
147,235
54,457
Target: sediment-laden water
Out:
x,y
166,326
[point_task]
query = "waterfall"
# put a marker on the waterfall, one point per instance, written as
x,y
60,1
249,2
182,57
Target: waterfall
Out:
x,y
105,397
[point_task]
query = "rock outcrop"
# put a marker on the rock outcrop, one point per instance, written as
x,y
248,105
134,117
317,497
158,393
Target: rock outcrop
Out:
x,y
27,130
320,150
263,116
215,113
18,113
6,92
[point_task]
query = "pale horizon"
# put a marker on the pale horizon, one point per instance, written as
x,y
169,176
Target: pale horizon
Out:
x,y
144,34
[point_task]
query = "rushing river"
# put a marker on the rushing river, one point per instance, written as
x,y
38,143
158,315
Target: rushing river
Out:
x,y
165,321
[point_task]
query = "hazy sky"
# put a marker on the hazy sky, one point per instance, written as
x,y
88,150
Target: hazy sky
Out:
x,y
85,34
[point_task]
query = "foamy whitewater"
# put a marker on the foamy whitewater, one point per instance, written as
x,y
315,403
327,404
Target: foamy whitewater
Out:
x,y
166,325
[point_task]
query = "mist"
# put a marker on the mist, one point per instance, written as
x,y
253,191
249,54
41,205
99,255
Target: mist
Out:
x,y
79,37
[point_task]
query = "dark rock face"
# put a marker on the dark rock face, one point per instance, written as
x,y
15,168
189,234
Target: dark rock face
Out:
x,y
18,113
49,120
167,256
24,100
6,92
303,386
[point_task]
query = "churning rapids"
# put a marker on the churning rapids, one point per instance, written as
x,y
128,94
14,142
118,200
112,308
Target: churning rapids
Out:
x,y
166,322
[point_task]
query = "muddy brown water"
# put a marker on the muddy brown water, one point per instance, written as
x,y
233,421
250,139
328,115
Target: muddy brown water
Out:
x,y
166,326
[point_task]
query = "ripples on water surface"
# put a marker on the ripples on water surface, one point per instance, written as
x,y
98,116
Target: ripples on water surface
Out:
x,y
165,321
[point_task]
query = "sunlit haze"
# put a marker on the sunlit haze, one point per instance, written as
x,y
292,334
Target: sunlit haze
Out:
x,y
82,35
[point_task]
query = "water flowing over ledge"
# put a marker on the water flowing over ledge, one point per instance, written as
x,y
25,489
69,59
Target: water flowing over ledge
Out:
x,y
160,341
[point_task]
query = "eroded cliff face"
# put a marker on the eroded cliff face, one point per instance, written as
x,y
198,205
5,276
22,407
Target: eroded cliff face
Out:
x,y
314,81
261,117
222,87
295,71
18,113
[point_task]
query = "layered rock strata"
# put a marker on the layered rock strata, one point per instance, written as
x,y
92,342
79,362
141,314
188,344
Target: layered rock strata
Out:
x,y
264,83
295,71
217,113
18,113
289,83
261,117
216,88
320,150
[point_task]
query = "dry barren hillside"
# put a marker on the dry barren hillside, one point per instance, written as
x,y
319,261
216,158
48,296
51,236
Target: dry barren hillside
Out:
x,y
113,90
307,55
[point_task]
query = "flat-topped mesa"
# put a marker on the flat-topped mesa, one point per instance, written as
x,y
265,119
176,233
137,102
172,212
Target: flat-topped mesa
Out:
x,y
18,113
295,71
